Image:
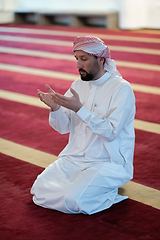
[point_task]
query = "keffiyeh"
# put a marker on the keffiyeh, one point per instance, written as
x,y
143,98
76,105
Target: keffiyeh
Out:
x,y
95,46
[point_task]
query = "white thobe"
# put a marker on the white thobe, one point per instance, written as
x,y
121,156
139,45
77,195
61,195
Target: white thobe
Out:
x,y
98,158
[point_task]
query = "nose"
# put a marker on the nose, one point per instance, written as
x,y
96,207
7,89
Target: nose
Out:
x,y
79,64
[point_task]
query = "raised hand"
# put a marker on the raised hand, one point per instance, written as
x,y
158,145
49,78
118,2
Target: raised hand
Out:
x,y
72,103
47,98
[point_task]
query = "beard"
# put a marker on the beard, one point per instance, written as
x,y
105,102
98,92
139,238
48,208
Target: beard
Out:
x,y
85,76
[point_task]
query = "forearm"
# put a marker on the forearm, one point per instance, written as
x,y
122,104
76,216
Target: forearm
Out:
x,y
59,121
108,127
101,127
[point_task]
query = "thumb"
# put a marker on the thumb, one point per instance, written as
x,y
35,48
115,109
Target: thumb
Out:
x,y
74,92
49,88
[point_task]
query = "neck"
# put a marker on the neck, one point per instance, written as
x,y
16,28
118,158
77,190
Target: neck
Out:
x,y
99,74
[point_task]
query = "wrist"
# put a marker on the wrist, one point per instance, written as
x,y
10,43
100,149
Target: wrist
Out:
x,y
79,107
55,109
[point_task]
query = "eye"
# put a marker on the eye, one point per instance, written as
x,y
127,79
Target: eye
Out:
x,y
84,59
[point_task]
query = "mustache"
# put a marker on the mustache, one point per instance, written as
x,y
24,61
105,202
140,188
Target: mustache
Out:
x,y
81,70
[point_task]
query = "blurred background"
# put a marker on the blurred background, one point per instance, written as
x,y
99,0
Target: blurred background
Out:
x,y
131,14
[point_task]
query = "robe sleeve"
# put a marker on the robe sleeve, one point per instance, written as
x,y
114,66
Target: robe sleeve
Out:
x,y
121,113
60,120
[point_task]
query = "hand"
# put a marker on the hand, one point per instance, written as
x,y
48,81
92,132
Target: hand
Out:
x,y
72,103
47,99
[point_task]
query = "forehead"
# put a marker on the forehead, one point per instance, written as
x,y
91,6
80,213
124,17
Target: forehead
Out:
x,y
80,53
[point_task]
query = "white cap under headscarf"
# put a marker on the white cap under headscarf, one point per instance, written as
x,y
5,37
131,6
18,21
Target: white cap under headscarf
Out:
x,y
95,46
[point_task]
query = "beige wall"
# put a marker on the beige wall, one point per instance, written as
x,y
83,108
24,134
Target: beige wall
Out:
x,y
7,5
139,14
68,4
133,14
6,11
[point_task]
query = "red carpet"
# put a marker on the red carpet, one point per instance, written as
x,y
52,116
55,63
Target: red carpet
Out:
x,y
21,219
16,82
33,130
27,125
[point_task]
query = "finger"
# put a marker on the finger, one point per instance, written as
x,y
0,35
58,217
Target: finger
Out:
x,y
38,91
59,99
74,92
40,96
49,88
60,96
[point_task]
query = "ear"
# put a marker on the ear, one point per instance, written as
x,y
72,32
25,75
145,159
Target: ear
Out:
x,y
101,61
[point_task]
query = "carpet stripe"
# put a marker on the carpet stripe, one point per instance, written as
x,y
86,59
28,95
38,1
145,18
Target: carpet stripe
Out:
x,y
75,34
134,191
26,154
147,126
22,98
38,72
148,31
67,76
141,193
41,54
134,50
37,53
126,64
138,65
145,88
70,57
34,101
35,40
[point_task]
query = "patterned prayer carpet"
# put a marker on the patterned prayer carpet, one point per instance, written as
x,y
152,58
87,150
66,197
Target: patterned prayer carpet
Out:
x,y
30,57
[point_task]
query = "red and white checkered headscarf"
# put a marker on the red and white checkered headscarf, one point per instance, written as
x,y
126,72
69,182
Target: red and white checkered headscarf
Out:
x,y
95,46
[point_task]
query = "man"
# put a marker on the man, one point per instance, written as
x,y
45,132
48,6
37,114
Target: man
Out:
x,y
98,112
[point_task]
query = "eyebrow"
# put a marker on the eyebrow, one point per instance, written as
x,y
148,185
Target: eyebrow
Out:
x,y
80,56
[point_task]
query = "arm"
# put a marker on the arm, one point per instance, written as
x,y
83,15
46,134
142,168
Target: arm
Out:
x,y
121,112
60,120
47,98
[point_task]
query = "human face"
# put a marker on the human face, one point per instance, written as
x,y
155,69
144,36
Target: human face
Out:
x,y
88,66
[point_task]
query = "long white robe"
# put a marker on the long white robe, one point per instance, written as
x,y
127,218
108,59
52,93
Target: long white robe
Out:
x,y
98,158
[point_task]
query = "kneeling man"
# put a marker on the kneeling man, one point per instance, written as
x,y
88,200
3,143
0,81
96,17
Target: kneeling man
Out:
x,y
97,112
